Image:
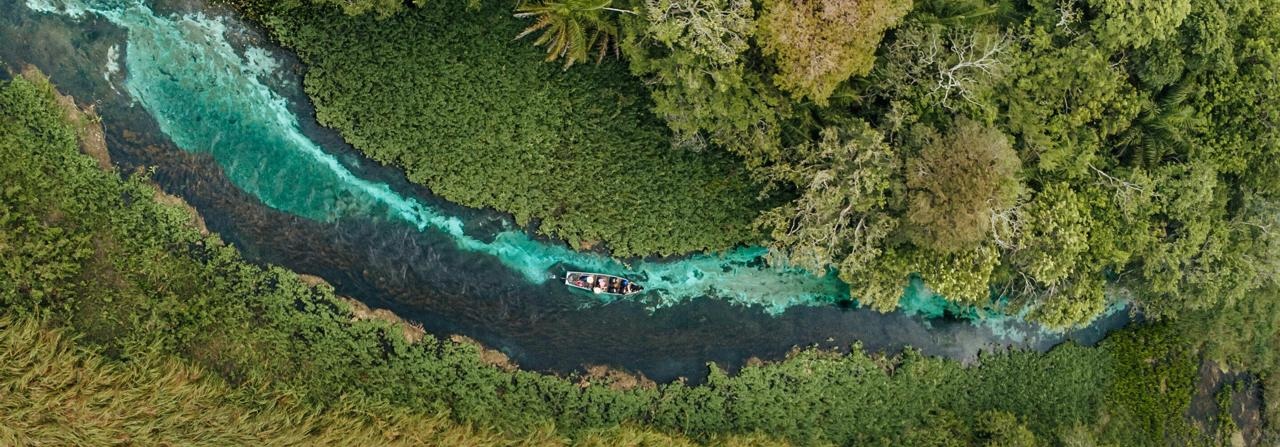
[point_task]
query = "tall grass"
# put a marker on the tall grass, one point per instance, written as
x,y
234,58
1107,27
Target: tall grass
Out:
x,y
53,392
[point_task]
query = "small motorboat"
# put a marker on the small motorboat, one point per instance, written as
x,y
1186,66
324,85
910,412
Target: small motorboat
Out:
x,y
601,283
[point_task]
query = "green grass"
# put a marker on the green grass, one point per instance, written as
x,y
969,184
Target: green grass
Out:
x,y
445,94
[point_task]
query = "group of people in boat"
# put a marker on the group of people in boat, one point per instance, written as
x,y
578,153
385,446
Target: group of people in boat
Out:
x,y
606,284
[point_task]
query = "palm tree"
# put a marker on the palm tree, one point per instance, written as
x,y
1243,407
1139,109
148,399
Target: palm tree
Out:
x,y
1164,128
571,27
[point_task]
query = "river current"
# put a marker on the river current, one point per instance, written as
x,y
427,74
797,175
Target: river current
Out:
x,y
199,96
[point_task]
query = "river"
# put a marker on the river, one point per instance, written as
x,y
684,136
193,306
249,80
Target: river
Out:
x,y
201,97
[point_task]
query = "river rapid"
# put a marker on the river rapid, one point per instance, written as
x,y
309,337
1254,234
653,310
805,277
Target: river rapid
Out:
x,y
202,98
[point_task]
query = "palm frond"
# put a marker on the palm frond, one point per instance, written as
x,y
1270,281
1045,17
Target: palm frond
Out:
x,y
572,28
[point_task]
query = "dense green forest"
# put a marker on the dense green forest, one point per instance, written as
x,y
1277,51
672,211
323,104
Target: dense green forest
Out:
x,y
167,335
1059,153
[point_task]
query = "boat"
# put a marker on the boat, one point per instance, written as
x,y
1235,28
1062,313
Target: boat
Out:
x,y
601,283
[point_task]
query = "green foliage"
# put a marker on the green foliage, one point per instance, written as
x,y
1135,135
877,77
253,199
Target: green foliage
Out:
x,y
1149,148
997,428
38,254
1147,142
963,276
695,55
1124,145
1226,422
481,122
57,393
958,184
383,8
818,44
1055,234
943,70
571,28
1155,372
1135,24
840,220
1065,101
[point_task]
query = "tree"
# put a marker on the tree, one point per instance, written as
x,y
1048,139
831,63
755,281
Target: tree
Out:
x,y
962,276
1063,101
817,44
840,217
1054,235
1190,215
1163,128
570,28
958,184
1137,23
1070,302
954,69
695,55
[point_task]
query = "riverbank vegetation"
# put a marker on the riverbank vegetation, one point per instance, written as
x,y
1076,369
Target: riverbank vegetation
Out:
x,y
1056,152
167,335
443,92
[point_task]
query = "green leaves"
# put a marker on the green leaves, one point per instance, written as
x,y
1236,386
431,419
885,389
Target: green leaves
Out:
x,y
382,8
571,28
818,44
1054,235
483,123
696,56
1137,23
139,286
958,183
846,179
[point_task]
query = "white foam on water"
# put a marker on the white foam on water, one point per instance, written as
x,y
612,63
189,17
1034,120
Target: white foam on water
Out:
x,y
73,10
112,66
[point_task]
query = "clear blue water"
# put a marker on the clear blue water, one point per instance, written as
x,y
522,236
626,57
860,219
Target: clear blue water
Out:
x,y
290,193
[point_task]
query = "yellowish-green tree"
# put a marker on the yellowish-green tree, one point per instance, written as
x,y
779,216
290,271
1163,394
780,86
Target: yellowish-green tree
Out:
x,y
817,44
959,184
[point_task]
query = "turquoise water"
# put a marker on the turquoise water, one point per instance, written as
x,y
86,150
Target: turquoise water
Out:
x,y
209,97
